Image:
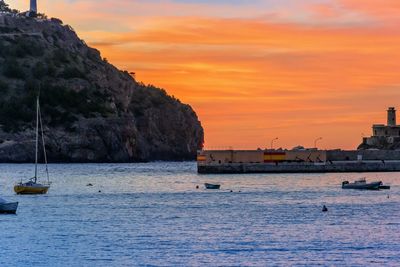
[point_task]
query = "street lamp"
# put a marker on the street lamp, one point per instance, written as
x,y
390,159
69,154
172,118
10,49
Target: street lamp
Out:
x,y
272,141
316,140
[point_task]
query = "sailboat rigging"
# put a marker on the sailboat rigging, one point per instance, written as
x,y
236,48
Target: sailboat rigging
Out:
x,y
33,186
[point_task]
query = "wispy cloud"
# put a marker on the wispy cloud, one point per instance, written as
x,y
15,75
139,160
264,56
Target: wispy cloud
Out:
x,y
256,69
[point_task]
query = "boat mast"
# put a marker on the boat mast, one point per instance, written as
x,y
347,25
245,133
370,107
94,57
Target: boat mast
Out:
x,y
44,145
37,136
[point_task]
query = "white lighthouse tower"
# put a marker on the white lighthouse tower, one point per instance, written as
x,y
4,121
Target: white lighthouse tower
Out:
x,y
33,7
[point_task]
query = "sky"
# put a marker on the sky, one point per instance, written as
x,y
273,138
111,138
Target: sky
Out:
x,y
258,69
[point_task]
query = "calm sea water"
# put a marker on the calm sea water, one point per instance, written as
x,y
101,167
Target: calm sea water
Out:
x,y
153,215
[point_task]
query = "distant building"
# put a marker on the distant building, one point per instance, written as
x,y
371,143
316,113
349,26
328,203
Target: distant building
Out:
x,y
33,7
384,134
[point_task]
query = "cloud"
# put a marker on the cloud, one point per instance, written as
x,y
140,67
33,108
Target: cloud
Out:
x,y
256,69
245,76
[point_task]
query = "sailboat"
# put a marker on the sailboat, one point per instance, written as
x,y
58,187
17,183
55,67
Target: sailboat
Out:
x,y
32,186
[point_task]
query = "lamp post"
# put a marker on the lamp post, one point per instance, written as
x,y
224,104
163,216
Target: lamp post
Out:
x,y
272,142
316,140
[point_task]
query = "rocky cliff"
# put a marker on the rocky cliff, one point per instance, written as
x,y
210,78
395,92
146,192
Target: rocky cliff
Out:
x,y
92,112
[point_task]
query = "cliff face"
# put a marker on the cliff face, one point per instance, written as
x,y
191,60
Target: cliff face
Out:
x,y
92,112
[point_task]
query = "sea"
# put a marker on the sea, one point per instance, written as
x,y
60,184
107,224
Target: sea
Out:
x,y
153,214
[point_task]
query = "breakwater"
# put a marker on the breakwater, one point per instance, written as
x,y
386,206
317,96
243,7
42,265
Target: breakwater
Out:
x,y
307,161
350,166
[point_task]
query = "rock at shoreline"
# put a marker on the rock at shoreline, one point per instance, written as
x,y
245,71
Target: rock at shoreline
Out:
x,y
92,111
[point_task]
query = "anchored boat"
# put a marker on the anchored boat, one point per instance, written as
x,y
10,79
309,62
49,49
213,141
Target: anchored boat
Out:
x,y
32,186
212,186
362,185
8,207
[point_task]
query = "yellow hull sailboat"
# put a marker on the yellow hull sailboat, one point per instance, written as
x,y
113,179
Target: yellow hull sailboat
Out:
x,y
32,187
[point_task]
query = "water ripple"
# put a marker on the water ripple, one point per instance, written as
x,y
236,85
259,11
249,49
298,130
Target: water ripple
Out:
x,y
153,215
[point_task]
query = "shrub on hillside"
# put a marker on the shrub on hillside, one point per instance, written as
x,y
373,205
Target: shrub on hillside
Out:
x,y
23,47
3,86
60,57
39,71
4,7
12,69
57,20
14,114
71,72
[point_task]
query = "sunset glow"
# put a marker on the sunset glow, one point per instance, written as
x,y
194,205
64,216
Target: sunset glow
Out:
x,y
255,70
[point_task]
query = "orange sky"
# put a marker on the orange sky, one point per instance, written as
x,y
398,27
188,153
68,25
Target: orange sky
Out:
x,y
255,70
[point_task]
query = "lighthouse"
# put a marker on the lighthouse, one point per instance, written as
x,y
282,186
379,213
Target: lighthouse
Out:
x,y
33,8
391,118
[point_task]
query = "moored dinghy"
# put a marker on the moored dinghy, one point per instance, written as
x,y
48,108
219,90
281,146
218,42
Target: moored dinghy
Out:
x,y
384,187
32,187
8,207
212,186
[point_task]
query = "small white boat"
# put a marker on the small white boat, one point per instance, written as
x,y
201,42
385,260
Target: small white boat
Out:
x,y
8,207
362,185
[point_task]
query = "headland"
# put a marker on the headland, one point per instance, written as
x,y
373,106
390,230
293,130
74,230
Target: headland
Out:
x,y
92,111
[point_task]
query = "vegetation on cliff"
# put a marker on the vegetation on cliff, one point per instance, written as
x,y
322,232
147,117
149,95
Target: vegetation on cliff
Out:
x,y
93,112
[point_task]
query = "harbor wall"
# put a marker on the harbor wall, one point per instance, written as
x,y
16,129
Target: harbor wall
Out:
x,y
292,161
259,156
337,155
348,166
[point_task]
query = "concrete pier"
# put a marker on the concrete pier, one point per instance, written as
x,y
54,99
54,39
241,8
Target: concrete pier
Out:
x,y
339,166
290,161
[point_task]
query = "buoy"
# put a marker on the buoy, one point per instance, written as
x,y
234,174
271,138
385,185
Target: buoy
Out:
x,y
324,209
89,184
197,187
99,191
231,191
388,196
